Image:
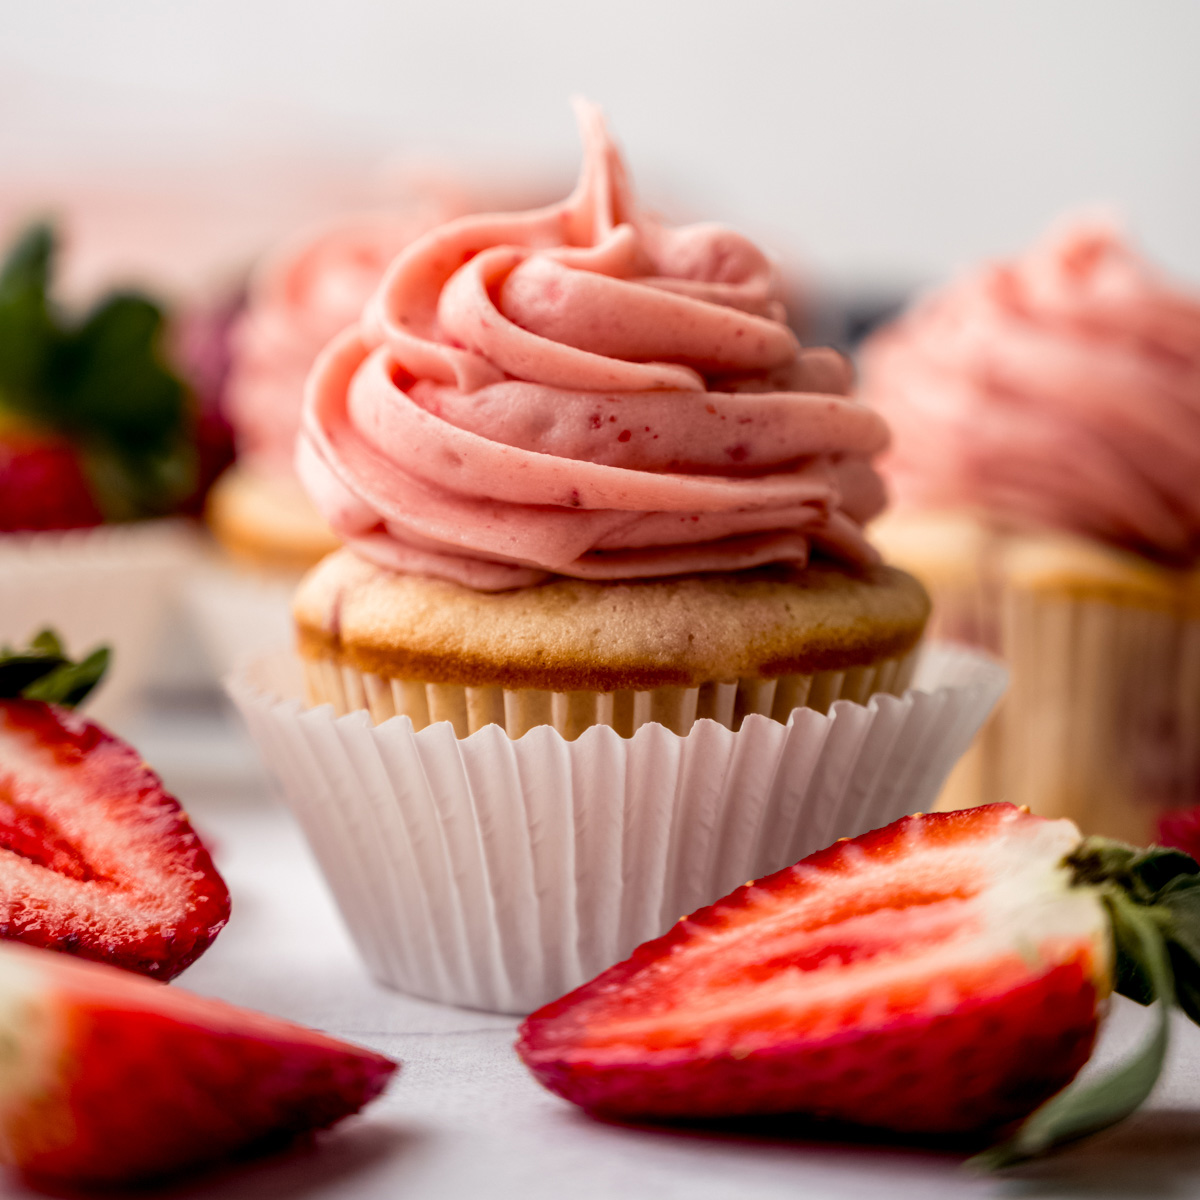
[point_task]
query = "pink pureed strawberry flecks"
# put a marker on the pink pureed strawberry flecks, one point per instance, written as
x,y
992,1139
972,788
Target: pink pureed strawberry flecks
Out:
x,y
580,390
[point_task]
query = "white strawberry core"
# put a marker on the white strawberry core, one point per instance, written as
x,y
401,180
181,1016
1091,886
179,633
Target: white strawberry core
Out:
x,y
32,1035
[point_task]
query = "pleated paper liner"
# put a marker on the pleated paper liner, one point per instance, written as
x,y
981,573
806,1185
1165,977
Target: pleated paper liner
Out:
x,y
1102,720
469,709
113,583
1102,724
497,872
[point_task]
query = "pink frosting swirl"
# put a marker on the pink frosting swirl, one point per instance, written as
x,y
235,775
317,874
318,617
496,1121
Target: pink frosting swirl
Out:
x,y
300,297
1061,389
579,390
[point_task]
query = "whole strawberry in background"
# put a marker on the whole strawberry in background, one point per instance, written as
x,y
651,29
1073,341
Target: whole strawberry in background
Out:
x,y
1181,829
943,975
94,423
42,481
96,859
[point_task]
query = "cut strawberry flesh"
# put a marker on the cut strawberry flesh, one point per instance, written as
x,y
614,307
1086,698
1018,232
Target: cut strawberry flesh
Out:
x,y
95,857
900,980
111,1079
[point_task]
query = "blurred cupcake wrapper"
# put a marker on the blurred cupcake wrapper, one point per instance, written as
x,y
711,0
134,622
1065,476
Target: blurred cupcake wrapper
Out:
x,y
113,584
239,613
1102,724
497,873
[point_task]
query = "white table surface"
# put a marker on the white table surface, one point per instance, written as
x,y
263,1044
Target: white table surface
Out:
x,y
464,1119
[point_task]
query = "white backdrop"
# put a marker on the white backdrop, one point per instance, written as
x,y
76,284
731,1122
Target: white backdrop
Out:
x,y
882,141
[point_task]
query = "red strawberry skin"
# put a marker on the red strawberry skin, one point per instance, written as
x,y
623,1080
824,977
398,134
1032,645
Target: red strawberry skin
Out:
x,y
96,859
120,1080
950,1074
42,484
1181,830
962,1044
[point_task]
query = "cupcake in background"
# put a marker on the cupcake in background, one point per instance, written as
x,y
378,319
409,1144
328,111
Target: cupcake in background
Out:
x,y
97,444
606,633
1045,466
299,297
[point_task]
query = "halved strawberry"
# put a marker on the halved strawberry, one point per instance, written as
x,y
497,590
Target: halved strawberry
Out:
x,y
96,859
943,975
111,1080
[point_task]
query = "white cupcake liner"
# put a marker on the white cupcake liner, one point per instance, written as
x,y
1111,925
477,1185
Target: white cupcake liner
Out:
x,y
113,584
498,873
239,613
517,711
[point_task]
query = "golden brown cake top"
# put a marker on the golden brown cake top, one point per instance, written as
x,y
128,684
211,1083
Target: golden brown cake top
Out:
x,y
267,521
569,634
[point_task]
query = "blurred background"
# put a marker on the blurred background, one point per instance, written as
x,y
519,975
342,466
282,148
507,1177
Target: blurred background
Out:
x,y
876,144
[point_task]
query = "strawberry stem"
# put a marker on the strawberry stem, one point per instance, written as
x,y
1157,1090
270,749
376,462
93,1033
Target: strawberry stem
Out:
x,y
1153,900
1088,1106
43,671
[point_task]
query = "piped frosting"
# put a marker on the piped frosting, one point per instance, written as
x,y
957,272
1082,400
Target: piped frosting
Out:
x,y
580,390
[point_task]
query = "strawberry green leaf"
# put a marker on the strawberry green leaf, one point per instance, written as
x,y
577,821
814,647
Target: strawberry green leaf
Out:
x,y
102,382
1141,873
28,337
42,671
1091,1105
70,683
1160,867
1178,910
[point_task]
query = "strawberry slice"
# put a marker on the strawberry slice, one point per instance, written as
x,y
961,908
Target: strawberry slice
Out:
x,y
96,859
943,975
113,1080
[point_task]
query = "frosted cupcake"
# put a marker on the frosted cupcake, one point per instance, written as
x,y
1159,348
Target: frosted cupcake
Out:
x,y
605,630
581,393
1046,418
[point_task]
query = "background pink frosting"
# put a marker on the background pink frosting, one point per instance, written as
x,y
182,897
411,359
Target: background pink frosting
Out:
x,y
1061,389
580,390
300,297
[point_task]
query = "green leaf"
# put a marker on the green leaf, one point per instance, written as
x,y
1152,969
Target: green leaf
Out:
x,y
132,485
69,683
1089,1106
48,642
1178,910
42,671
28,334
111,377
102,382
1159,867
